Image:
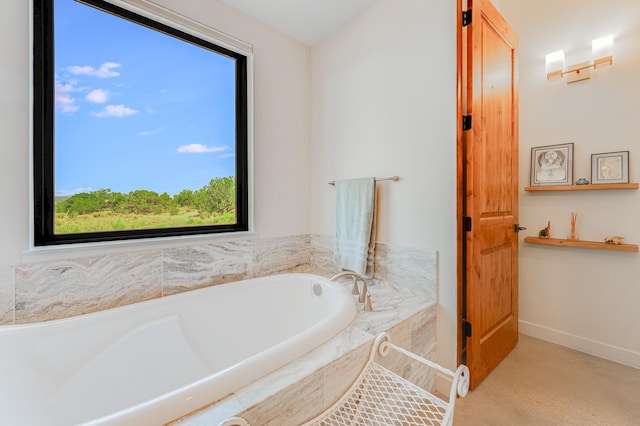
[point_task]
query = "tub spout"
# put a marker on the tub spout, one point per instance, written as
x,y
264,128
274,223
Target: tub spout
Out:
x,y
355,290
346,274
363,294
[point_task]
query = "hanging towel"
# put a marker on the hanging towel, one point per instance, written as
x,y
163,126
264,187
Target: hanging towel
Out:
x,y
354,246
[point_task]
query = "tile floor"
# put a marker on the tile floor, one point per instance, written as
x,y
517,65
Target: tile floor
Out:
x,y
540,383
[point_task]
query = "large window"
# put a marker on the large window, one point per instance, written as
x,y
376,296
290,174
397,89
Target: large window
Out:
x,y
140,130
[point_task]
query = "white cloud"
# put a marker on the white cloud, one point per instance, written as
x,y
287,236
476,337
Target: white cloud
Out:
x,y
115,111
196,148
63,100
105,70
78,70
151,132
98,96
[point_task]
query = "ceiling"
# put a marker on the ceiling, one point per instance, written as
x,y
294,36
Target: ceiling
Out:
x,y
308,21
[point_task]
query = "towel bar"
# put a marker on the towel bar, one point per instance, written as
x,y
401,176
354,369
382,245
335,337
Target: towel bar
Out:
x,y
393,178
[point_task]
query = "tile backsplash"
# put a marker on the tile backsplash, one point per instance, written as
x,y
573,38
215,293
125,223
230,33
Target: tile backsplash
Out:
x,y
53,290
7,302
41,291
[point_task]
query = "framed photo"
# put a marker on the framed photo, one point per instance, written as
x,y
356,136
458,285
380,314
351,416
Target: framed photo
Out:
x,y
552,165
610,167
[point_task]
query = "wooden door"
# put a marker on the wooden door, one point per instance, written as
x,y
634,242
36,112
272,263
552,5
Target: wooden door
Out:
x,y
491,190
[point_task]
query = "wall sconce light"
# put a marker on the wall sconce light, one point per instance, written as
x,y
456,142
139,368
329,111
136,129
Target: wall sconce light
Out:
x,y
601,51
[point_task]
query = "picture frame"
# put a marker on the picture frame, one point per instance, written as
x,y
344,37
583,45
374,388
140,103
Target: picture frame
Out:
x,y
552,165
610,167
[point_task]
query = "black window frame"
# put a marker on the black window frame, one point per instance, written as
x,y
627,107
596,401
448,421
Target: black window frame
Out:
x,y
44,132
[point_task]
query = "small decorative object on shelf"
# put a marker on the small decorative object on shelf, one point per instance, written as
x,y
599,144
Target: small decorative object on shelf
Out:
x,y
546,232
582,181
574,218
616,239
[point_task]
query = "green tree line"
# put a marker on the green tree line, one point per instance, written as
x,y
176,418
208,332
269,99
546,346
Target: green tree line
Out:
x,y
217,197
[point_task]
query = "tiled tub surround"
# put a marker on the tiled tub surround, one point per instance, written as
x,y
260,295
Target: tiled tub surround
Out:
x,y
41,291
7,305
403,298
304,388
77,286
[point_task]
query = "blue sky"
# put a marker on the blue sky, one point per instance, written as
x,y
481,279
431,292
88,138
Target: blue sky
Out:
x,y
137,109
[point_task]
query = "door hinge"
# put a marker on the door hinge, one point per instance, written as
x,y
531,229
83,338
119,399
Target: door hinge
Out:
x,y
466,122
466,223
466,328
466,17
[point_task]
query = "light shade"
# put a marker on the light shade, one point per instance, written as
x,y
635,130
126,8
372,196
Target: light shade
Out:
x,y
554,64
602,51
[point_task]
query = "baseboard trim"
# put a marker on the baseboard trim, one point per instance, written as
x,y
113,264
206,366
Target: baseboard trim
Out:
x,y
582,344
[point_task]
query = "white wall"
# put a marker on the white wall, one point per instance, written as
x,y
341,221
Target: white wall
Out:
x,y
586,299
383,103
14,122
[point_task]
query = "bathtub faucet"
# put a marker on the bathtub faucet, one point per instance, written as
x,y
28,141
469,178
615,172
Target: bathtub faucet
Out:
x,y
363,295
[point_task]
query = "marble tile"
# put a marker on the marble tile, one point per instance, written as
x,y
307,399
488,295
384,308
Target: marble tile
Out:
x,y
322,252
423,343
401,334
424,332
224,410
416,334
7,303
46,291
395,361
193,267
276,255
340,374
409,267
310,269
291,406
322,356
391,304
310,363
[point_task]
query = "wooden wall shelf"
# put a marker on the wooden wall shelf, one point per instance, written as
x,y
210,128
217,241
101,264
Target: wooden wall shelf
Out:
x,y
582,244
590,187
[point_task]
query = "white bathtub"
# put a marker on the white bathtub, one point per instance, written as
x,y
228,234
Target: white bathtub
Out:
x,y
149,363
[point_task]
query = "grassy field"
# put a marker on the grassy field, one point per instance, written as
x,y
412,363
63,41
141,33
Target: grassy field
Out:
x,y
110,221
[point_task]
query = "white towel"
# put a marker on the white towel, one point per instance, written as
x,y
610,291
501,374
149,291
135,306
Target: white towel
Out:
x,y
354,246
